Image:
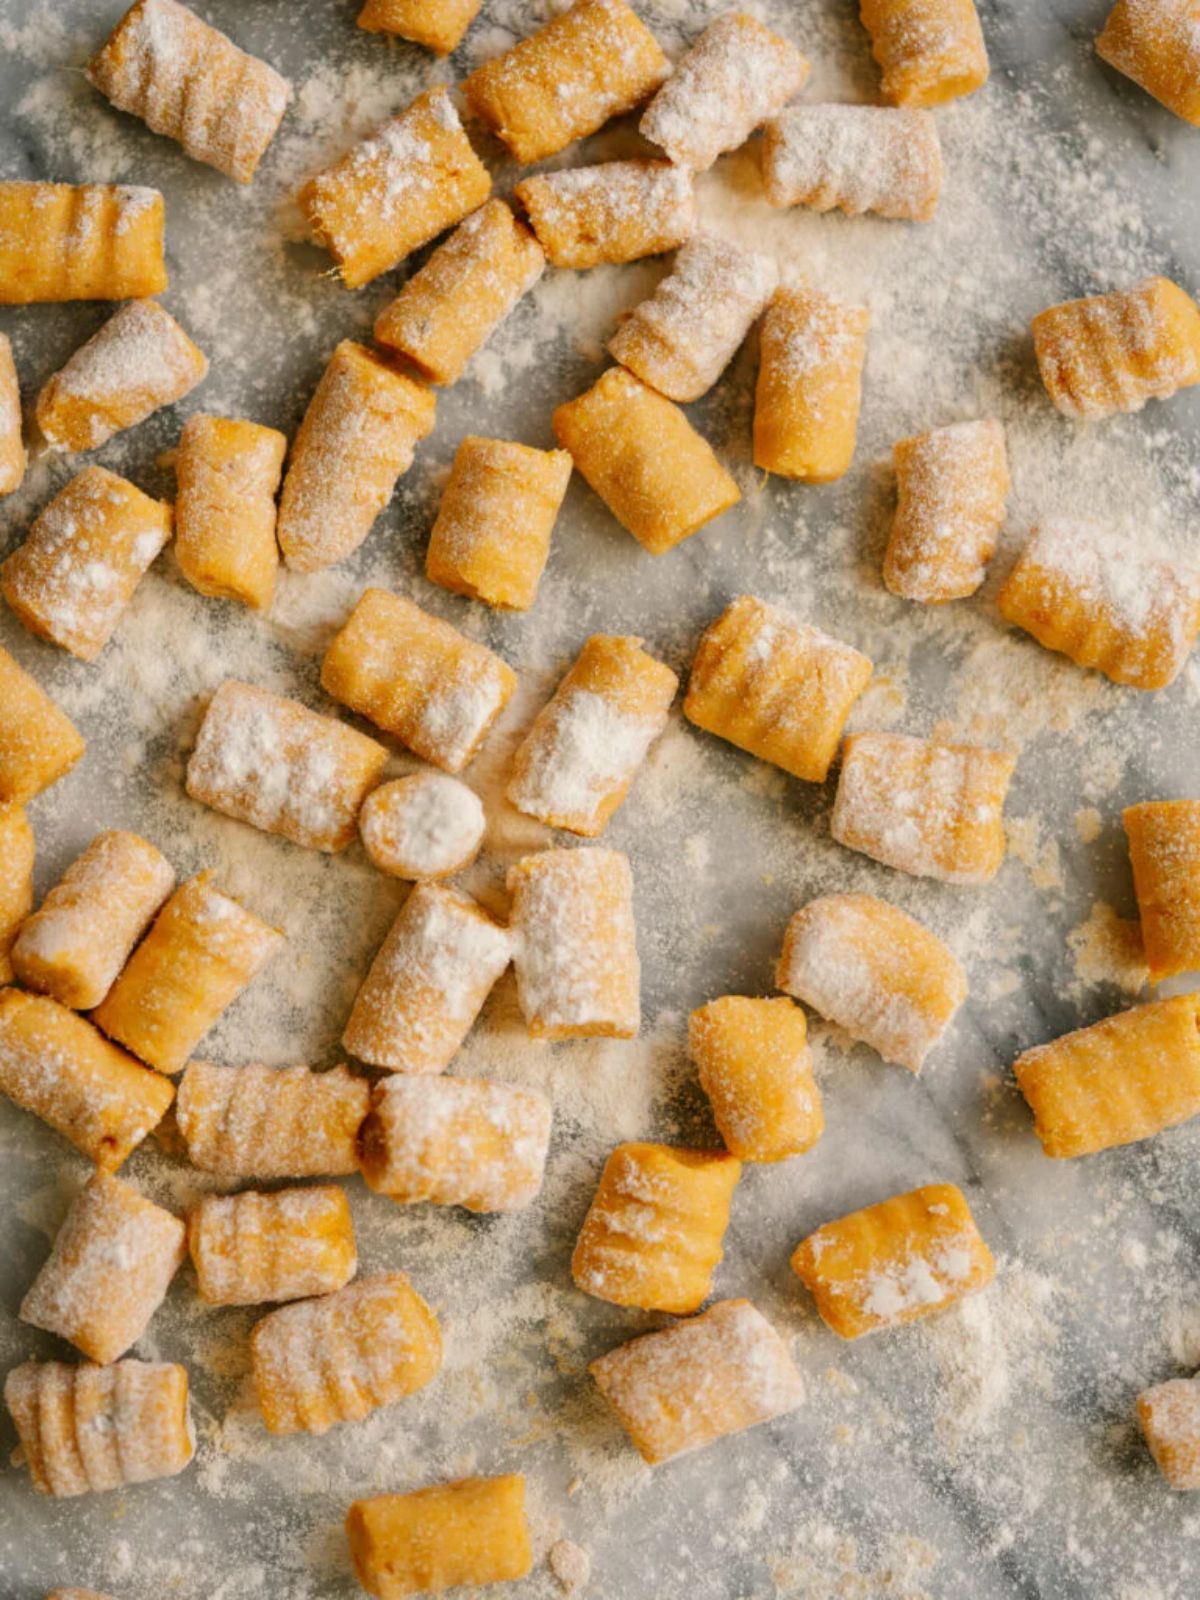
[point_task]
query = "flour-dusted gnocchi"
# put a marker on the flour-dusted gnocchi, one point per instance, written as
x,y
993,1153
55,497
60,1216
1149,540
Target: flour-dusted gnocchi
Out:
x,y
812,351
80,937
1169,1415
473,1532
358,437
228,472
427,983
575,765
250,1247
1164,850
258,1122
682,338
109,1270
699,1380
88,241
491,539
139,360
929,51
1106,599
58,1066
201,952
16,881
280,767
1154,42
593,62
575,944
774,686
884,159
188,81
414,177
644,459
894,1262
82,560
456,1142
12,446
422,827
448,310
736,75
418,678
1123,1079
440,26
951,486
1113,352
930,809
653,1234
338,1358
615,212
875,971
39,744
755,1066
86,1429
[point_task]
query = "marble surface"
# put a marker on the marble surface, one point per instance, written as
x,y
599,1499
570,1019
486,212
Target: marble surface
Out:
x,y
985,1455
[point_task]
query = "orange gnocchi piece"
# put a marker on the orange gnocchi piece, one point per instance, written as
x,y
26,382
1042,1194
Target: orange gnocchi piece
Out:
x,y
109,1270
875,971
469,1532
427,983
418,678
271,762
642,456
340,1357
894,1262
1113,352
615,212
813,348
13,459
88,1429
39,744
73,577
265,1122
439,27
575,766
951,485
699,1380
76,942
774,686
1105,601
1154,43
201,952
756,1069
1164,849
448,310
930,51
87,241
736,75
249,1247
188,81
455,1142
1169,1415
139,360
1123,1079
575,944
491,539
933,810
16,881
653,1233
414,177
565,81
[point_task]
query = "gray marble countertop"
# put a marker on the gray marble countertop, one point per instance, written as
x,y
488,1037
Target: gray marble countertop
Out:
x,y
988,1454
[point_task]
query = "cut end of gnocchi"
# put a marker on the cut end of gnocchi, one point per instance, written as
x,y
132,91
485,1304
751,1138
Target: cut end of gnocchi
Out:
x,y
1169,1416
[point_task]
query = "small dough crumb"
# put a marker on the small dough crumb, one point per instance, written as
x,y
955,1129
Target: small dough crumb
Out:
x,y
1088,823
1108,949
570,1564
